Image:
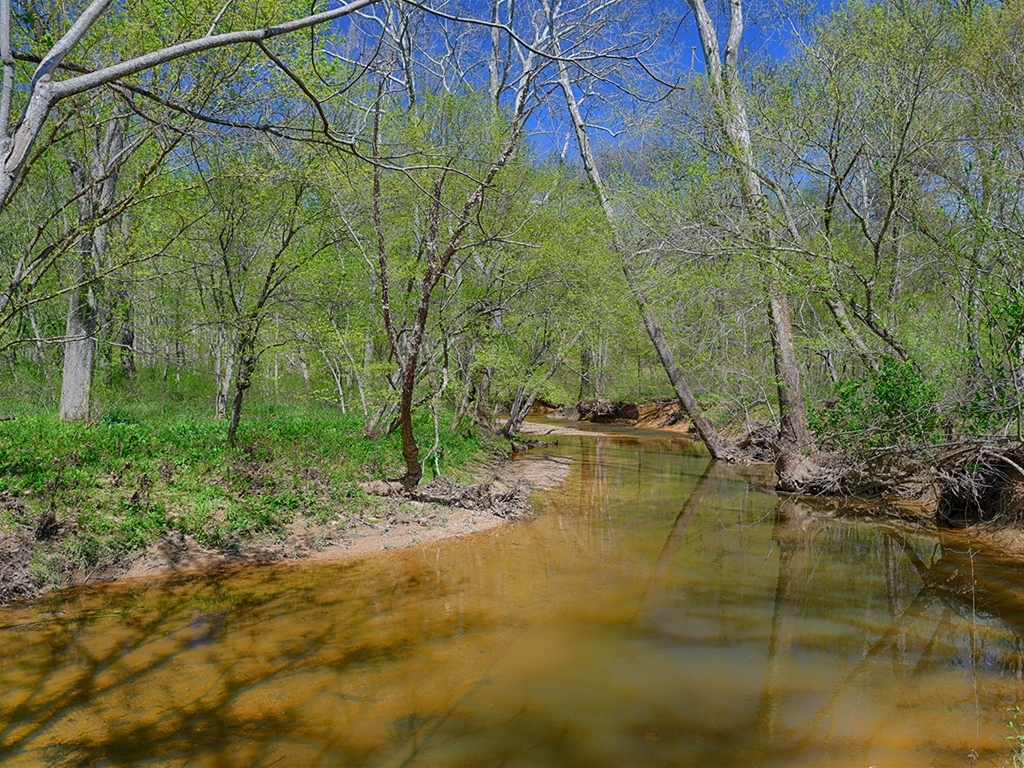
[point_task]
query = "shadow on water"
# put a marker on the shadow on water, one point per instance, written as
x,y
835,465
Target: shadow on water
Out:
x,y
662,610
203,666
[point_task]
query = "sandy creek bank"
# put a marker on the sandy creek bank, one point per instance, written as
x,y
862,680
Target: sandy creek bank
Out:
x,y
396,522
393,524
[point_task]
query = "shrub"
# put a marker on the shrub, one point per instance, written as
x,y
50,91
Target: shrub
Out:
x,y
894,405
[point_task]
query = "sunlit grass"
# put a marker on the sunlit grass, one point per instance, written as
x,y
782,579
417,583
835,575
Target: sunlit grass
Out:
x,y
117,485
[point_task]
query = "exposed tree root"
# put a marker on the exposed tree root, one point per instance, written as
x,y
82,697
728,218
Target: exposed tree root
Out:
x,y
960,482
965,482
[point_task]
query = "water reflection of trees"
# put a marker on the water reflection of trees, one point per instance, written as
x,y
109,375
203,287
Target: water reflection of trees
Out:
x,y
951,581
354,667
925,605
208,672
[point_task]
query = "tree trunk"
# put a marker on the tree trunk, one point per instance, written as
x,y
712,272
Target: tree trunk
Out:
x,y
715,443
223,373
482,397
246,368
520,410
79,354
838,309
717,446
128,344
439,255
96,180
586,383
410,451
793,427
731,106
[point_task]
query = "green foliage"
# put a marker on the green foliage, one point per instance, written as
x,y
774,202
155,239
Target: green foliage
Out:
x,y
1016,738
894,405
117,485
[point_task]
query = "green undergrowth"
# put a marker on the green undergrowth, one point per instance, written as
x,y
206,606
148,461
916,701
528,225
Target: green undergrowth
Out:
x,y
94,495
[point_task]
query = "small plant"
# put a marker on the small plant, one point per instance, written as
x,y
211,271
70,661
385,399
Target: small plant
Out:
x,y
1017,736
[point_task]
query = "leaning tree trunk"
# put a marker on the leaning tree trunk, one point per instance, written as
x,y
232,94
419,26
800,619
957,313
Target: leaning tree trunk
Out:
x,y
717,446
521,408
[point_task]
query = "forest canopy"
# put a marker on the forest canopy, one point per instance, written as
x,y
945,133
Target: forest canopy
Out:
x,y
805,223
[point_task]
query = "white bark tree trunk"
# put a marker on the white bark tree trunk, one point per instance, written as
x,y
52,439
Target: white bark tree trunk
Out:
x,y
225,371
79,355
727,91
97,183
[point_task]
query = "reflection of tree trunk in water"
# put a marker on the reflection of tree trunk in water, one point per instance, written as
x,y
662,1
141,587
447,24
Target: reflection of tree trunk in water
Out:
x,y
599,502
893,555
794,533
920,603
590,504
706,485
586,477
795,551
893,634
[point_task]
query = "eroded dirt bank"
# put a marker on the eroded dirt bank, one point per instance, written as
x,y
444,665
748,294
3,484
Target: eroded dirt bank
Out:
x,y
385,523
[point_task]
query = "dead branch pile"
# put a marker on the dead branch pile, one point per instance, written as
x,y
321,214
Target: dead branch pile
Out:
x,y
974,480
510,502
760,444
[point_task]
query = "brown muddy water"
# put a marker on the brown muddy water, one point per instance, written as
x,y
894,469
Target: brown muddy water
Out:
x,y
659,612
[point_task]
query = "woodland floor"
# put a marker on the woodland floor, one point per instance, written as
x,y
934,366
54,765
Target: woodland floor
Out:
x,y
388,523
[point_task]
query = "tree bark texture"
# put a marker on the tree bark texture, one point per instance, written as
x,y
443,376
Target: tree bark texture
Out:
x,y
96,179
79,355
246,368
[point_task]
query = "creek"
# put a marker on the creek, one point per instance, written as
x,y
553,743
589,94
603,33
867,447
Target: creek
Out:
x,y
659,610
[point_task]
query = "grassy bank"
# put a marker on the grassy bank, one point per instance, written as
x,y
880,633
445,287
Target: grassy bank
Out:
x,y
79,497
